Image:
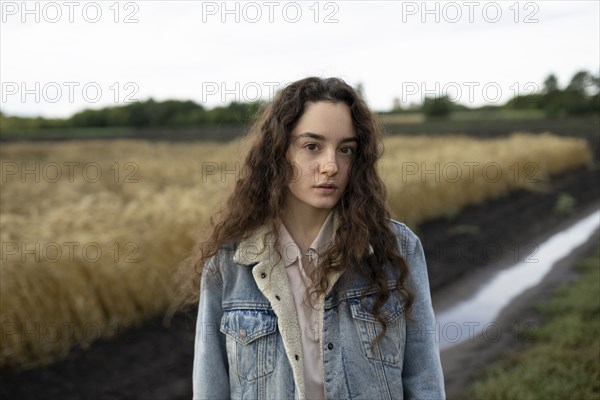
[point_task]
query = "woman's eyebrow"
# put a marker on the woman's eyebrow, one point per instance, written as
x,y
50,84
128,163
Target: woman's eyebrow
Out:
x,y
321,137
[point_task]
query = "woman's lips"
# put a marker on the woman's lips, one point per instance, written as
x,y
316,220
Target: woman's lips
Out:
x,y
326,188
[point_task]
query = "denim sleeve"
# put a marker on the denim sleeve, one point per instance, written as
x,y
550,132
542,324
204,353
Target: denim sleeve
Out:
x,y
422,375
210,372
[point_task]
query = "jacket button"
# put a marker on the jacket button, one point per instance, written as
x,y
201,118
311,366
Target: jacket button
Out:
x,y
330,346
263,275
242,333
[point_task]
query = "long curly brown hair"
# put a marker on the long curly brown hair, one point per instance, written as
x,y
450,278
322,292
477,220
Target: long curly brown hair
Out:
x,y
260,192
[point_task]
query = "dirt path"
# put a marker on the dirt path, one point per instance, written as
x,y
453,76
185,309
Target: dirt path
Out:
x,y
155,362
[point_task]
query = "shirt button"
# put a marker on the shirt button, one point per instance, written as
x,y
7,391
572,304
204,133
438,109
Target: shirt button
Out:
x,y
263,275
330,346
277,297
296,357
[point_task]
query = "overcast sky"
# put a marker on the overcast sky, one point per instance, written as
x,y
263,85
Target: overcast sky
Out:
x,y
57,58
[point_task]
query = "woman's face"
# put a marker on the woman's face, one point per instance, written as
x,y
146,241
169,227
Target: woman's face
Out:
x,y
323,145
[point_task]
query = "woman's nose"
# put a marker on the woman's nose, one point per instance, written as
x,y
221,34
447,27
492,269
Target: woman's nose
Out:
x,y
329,166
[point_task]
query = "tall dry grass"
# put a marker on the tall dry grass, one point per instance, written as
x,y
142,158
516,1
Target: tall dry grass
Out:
x,y
58,291
428,176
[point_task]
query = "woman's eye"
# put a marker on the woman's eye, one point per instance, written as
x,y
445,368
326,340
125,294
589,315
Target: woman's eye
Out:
x,y
347,150
311,147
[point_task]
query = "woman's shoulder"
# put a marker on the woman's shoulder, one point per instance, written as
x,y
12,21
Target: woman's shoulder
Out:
x,y
215,264
407,239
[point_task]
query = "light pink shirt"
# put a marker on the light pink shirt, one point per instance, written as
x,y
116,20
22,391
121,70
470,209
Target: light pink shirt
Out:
x,y
308,317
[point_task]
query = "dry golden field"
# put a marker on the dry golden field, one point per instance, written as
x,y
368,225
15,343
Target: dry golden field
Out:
x,y
92,231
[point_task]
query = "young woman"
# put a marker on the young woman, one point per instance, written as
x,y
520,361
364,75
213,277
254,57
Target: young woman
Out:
x,y
308,289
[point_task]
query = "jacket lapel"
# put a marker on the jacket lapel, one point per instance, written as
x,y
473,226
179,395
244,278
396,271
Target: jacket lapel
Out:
x,y
271,279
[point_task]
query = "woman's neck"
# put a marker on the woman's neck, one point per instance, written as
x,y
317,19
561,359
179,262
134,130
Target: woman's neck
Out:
x,y
304,226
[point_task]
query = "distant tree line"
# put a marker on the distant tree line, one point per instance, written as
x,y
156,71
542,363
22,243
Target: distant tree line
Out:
x,y
144,114
581,96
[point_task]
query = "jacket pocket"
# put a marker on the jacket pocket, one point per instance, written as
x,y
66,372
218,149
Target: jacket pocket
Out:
x,y
251,341
390,348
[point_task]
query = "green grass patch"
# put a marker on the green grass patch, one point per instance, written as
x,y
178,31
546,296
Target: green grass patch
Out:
x,y
565,204
490,115
563,359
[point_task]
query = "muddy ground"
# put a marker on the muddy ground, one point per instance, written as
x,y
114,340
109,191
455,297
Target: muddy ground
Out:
x,y
155,362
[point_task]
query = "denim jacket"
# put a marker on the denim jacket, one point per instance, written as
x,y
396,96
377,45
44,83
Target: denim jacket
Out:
x,y
248,343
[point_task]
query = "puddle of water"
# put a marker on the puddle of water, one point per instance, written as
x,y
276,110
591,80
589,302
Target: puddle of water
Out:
x,y
476,314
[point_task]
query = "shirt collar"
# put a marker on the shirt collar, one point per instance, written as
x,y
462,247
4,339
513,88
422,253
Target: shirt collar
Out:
x,y
290,250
